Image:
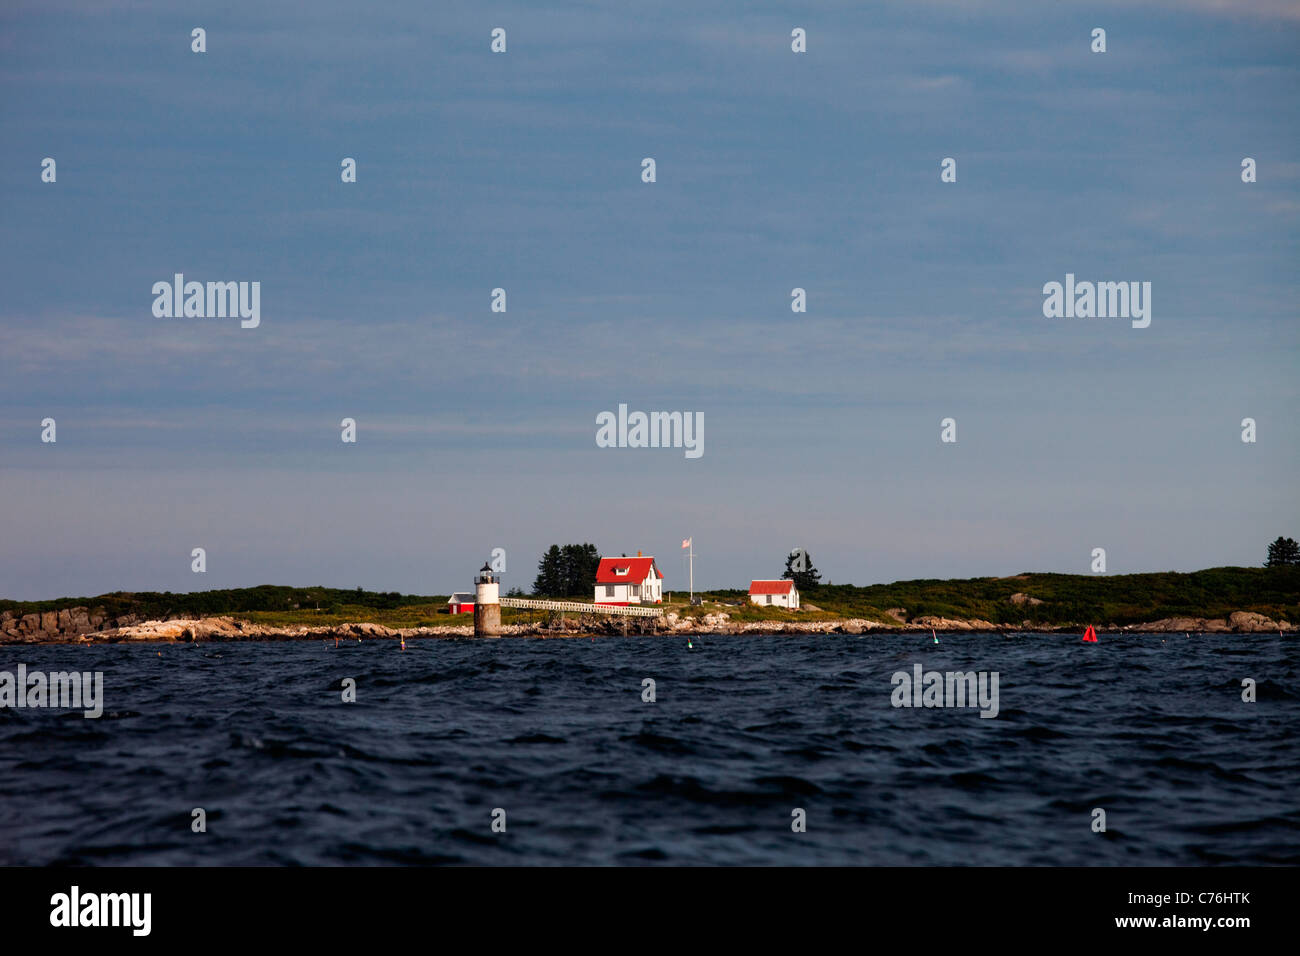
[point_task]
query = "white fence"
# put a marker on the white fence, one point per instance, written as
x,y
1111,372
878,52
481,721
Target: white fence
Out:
x,y
580,608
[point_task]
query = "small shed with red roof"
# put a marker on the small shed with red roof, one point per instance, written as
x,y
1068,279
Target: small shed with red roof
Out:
x,y
781,593
462,602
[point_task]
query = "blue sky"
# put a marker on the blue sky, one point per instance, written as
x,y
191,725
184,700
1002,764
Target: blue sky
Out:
x,y
775,170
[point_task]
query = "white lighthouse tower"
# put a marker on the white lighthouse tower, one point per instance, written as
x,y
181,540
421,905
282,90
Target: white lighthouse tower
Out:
x,y
487,604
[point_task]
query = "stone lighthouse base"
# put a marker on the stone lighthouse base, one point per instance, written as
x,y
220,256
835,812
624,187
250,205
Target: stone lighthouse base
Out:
x,y
487,620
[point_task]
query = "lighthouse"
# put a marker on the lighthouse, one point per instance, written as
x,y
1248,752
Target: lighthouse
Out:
x,y
487,606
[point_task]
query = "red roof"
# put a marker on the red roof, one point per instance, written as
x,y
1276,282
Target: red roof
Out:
x,y
770,587
638,569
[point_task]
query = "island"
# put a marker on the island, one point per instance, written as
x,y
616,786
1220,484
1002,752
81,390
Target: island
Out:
x,y
1215,600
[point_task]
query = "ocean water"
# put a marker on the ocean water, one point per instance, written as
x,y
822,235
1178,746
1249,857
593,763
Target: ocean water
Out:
x,y
743,731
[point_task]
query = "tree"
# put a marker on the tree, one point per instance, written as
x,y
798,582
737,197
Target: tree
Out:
x,y
799,568
549,582
1283,551
568,571
578,563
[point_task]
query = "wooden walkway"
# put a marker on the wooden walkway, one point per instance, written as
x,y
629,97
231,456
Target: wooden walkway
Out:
x,y
576,607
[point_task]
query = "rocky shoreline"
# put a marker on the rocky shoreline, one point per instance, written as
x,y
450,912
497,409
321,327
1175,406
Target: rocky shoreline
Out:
x,y
80,626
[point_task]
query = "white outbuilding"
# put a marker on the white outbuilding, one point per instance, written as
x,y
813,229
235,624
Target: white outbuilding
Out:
x,y
781,593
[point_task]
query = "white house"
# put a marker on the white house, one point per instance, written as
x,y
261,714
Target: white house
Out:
x,y
629,581
774,593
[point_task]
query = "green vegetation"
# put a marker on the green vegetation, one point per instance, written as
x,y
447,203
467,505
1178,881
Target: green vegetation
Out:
x,y
799,568
1283,551
567,572
1068,599
273,605
267,597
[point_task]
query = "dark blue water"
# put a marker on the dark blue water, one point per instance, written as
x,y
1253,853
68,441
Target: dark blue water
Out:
x,y
744,730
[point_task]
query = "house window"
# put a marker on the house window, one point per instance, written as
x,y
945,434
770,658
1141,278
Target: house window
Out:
x,y
609,590
769,599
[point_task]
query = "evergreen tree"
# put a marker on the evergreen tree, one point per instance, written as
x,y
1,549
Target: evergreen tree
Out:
x,y
549,582
579,569
568,571
799,568
1283,551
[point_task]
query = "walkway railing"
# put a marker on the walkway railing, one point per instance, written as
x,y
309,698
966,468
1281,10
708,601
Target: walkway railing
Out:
x,y
578,607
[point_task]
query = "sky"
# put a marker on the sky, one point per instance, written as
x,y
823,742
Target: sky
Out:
x,y
522,170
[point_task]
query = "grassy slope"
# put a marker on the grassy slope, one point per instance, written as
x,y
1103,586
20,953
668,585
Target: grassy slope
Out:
x,y
1069,599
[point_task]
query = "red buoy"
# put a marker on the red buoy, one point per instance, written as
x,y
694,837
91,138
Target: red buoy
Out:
x,y
1090,636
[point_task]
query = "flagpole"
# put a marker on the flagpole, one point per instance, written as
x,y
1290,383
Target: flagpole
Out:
x,y
692,552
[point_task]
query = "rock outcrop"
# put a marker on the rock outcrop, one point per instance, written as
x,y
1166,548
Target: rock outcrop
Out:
x,y
1239,622
49,626
956,624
